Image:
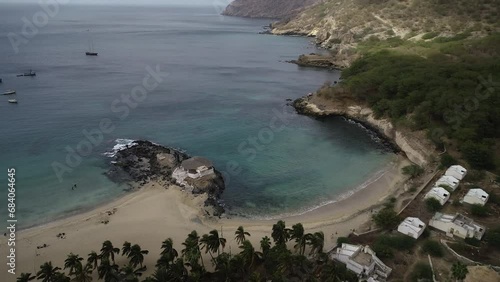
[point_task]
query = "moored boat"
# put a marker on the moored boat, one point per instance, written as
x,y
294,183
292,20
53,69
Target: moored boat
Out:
x,y
13,101
9,92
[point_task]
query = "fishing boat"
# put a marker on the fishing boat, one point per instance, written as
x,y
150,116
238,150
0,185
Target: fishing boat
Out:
x,y
31,73
9,92
13,101
91,51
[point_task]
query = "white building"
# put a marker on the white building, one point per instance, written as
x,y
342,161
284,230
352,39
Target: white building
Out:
x,y
438,193
457,171
449,181
476,196
412,226
195,167
362,261
457,225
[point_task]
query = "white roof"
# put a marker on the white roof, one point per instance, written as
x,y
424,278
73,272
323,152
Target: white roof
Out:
x,y
458,169
478,193
449,179
348,249
439,192
413,223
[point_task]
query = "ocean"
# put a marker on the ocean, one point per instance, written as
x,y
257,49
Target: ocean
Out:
x,y
183,77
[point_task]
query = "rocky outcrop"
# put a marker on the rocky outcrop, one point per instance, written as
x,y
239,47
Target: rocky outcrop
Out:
x,y
275,9
417,149
317,61
143,161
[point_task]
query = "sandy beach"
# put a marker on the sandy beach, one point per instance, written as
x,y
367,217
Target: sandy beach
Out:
x,y
153,213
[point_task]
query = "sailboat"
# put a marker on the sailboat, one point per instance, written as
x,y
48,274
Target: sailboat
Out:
x,y
91,51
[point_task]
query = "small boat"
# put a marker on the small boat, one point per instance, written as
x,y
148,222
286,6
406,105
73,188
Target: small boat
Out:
x,y
13,101
31,73
9,92
91,51
0,80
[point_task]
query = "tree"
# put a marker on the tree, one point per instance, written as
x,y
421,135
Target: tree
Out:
x,y
301,238
191,252
432,205
126,248
73,262
47,272
317,241
459,270
493,237
83,274
130,274
433,248
93,259
136,255
212,242
280,234
265,245
168,253
108,251
248,254
107,271
478,210
386,218
412,170
25,277
241,235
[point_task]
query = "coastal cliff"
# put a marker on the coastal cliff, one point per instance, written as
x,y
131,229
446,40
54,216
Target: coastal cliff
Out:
x,y
144,161
417,149
275,9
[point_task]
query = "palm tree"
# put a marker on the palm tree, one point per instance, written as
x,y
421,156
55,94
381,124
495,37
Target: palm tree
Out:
x,y
107,271
126,248
176,272
73,262
265,246
25,277
317,241
248,254
191,252
459,271
212,242
93,259
60,277
83,274
168,252
280,234
240,235
108,250
136,255
47,272
130,274
301,239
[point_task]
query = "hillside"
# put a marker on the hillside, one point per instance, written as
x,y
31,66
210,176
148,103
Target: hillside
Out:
x,y
340,25
276,9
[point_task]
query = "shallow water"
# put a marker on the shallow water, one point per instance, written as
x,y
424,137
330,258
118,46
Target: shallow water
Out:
x,y
224,98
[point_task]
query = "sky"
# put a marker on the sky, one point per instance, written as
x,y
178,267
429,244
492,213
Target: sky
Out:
x,y
127,2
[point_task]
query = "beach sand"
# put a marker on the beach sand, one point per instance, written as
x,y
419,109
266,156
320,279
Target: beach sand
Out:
x,y
152,214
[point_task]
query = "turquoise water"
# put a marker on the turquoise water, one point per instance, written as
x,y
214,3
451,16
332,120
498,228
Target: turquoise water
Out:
x,y
224,98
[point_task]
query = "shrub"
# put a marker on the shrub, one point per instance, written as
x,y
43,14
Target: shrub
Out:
x,y
493,237
412,170
387,218
478,155
472,241
447,160
342,240
421,271
398,242
382,251
430,35
478,210
432,205
433,248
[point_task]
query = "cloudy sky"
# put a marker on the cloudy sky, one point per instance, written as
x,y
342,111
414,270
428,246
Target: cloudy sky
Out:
x,y
128,2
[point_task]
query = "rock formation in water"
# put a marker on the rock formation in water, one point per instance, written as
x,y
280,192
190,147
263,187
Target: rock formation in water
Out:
x,y
275,9
144,161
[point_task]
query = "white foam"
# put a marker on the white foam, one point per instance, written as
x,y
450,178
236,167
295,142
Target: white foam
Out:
x,y
121,144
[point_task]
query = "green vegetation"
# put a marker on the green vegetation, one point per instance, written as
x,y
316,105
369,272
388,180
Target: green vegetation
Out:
x,y
479,210
385,244
447,88
386,218
412,170
432,205
459,270
493,237
249,263
433,248
421,272
447,160
473,242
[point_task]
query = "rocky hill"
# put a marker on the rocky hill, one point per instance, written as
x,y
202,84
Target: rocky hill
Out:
x,y
340,25
276,9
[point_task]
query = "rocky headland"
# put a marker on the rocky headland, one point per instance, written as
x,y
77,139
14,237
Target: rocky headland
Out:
x,y
416,147
144,161
318,61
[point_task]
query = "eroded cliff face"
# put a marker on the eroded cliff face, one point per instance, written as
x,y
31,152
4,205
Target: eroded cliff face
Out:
x,y
275,9
418,149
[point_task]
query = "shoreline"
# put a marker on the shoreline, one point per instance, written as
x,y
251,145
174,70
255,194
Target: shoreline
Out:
x,y
171,212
